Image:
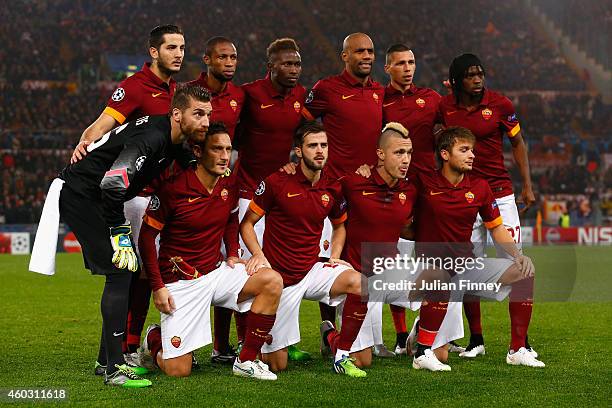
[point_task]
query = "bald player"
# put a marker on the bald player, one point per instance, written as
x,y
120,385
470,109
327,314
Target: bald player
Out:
x,y
350,106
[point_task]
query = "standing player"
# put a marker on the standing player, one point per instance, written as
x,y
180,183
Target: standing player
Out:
x,y
448,203
271,113
221,59
490,115
295,206
194,211
117,167
147,92
350,106
416,109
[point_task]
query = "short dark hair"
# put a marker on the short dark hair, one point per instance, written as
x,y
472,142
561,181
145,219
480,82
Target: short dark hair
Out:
x,y
449,136
214,128
185,92
281,44
399,47
156,36
212,42
306,129
458,69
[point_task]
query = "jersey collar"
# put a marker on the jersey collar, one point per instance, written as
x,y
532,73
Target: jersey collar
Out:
x,y
442,182
146,70
391,90
203,81
352,81
272,92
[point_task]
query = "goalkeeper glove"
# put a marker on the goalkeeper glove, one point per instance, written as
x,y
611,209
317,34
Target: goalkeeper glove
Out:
x,y
124,256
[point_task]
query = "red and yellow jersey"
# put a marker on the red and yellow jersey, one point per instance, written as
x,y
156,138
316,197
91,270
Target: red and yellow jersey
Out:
x,y
295,211
352,116
226,104
489,122
192,222
142,94
417,110
268,123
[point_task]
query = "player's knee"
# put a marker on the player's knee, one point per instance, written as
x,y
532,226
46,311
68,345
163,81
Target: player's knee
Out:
x,y
354,283
273,283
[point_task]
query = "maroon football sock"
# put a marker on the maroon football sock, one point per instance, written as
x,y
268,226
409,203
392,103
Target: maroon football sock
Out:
x,y
241,325
155,343
223,320
520,308
431,317
399,318
327,313
353,315
258,332
471,306
140,295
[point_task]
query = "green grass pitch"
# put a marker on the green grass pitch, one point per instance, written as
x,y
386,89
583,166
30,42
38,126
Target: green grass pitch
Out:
x,y
49,332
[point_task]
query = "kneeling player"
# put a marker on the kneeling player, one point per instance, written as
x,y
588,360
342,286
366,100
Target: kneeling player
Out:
x,y
295,206
194,211
447,205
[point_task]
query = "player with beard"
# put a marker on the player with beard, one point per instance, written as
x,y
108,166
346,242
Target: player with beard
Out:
x,y
490,115
221,60
271,113
295,206
148,92
89,196
350,106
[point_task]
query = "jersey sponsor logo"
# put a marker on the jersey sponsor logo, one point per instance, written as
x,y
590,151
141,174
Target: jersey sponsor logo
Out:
x,y
402,198
420,102
297,106
375,96
487,113
155,95
224,194
266,106
388,104
261,188
512,118
154,203
289,195
176,341
436,193
233,104
310,97
469,196
325,200
192,199
139,162
118,95
366,193
142,120
118,334
346,97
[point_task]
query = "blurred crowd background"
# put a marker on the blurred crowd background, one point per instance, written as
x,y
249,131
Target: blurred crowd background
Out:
x,y
58,72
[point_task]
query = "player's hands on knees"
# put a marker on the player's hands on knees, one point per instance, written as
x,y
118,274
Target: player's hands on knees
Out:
x,y
124,256
338,261
231,261
364,170
80,151
257,261
525,265
289,168
164,302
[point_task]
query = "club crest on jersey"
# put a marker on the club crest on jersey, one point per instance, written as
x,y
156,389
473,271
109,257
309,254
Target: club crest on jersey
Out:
x,y
469,196
139,162
224,194
261,188
420,103
154,203
118,95
402,198
297,106
487,113
326,245
233,104
176,341
325,200
375,96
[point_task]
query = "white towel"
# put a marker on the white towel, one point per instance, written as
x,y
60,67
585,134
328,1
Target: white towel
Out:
x,y
45,243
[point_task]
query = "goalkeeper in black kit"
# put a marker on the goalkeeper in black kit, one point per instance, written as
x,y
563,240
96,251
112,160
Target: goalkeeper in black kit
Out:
x,y
117,167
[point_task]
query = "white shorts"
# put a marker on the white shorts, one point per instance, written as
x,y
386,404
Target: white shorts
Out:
x,y
260,227
315,286
188,328
134,210
510,217
492,271
326,236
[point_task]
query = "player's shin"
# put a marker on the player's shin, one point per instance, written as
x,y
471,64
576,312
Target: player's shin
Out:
x,y
520,308
353,315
